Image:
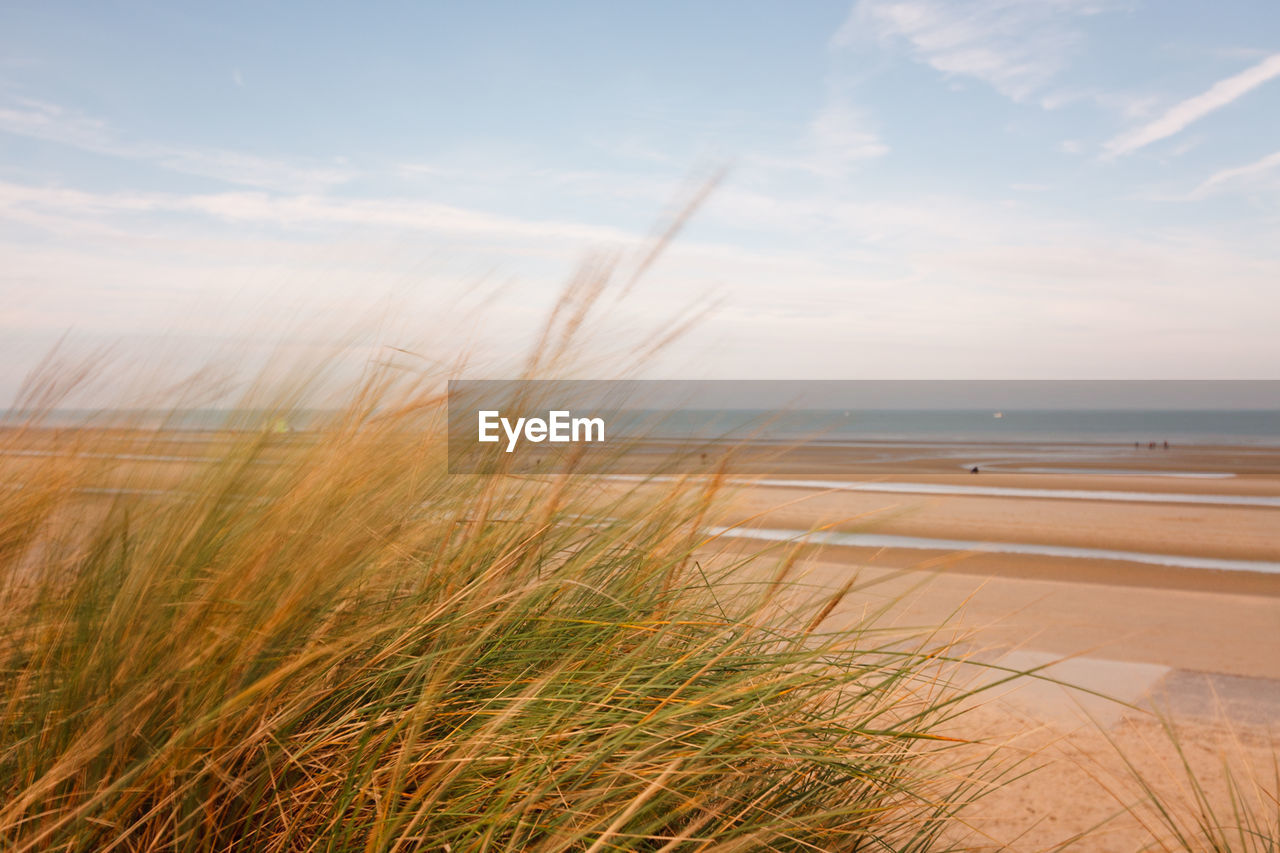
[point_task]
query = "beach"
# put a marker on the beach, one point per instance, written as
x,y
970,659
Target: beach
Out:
x,y
1143,575
1064,548
1199,645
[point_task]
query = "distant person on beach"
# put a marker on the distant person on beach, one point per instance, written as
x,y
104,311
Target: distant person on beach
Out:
x,y
1166,445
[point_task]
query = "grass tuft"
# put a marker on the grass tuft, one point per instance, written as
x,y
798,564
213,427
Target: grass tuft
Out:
x,y
319,640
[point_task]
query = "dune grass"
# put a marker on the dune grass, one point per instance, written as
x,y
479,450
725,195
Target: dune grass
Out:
x,y
322,641
1232,806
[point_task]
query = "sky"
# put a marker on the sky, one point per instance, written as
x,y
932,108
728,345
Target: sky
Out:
x,y
933,189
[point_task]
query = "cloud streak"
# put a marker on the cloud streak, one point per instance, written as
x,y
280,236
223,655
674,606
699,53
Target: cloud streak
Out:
x,y
1234,175
300,212
837,140
1186,113
1015,47
53,123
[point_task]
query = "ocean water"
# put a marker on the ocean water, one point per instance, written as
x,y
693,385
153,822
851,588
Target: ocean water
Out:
x,y
1089,426
1093,426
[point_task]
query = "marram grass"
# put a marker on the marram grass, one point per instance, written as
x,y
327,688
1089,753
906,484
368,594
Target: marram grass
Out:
x,y
323,642
1233,807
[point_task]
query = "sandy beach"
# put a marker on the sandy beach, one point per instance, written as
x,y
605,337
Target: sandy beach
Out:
x,y
1200,644
1156,505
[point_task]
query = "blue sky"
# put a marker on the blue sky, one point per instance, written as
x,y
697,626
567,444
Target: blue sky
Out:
x,y
915,188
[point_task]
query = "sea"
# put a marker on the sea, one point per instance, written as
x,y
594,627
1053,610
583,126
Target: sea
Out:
x,y
1086,426
823,426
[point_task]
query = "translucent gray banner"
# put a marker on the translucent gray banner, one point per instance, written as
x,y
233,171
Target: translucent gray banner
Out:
x,y
811,428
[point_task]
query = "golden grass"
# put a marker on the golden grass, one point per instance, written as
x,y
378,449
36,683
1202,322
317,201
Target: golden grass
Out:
x,y
322,641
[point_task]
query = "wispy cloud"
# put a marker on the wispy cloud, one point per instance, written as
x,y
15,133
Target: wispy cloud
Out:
x,y
1237,175
1131,106
1187,112
839,137
1014,46
300,211
951,271
53,123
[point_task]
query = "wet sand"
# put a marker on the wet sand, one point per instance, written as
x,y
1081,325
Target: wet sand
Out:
x,y
1153,513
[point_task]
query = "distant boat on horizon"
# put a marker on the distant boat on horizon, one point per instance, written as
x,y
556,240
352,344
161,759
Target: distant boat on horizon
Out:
x,y
998,415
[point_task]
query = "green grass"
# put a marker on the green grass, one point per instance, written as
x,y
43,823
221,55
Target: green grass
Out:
x,y
326,642
1185,807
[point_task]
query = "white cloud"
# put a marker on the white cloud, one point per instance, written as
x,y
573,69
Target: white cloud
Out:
x,y
841,137
1131,106
402,215
49,122
1238,175
835,287
1184,113
76,214
1015,46
52,123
